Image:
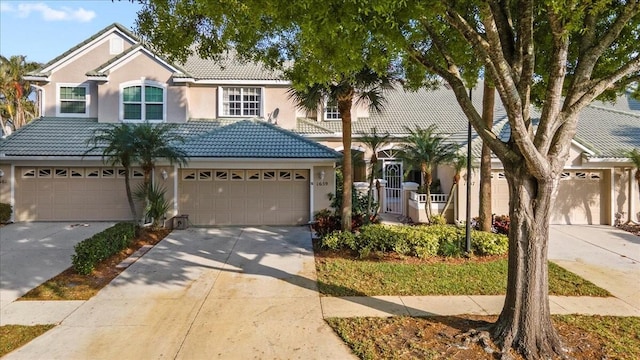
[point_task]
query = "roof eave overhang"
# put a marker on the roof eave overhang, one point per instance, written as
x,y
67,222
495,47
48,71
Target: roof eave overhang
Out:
x,y
36,78
181,80
608,161
98,78
239,82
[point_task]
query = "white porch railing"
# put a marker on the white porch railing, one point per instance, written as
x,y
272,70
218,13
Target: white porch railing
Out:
x,y
435,198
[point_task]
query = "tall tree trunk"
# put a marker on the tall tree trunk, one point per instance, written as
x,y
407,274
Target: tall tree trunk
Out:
x,y
428,179
374,163
454,189
127,185
525,322
488,99
344,107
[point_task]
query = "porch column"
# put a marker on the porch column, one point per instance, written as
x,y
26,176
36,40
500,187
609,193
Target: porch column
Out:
x,y
407,188
382,195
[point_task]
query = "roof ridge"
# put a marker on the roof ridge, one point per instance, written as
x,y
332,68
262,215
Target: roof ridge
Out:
x,y
604,108
294,135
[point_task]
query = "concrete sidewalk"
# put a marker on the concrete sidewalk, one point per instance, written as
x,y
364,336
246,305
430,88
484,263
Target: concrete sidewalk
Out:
x,y
31,253
238,293
228,293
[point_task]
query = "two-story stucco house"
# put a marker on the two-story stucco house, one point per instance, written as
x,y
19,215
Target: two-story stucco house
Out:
x,y
254,158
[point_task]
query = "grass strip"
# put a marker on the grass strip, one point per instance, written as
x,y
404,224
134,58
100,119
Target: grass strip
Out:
x,y
348,277
14,336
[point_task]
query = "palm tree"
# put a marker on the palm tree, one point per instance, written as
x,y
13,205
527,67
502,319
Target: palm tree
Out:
x,y
424,150
119,146
374,142
15,104
458,162
634,155
157,142
365,85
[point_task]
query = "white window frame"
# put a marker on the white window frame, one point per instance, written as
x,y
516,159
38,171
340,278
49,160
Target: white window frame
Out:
x,y
330,113
222,100
142,83
87,98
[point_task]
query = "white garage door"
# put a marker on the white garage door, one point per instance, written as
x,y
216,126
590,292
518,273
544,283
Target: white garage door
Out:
x,y
578,198
244,197
72,194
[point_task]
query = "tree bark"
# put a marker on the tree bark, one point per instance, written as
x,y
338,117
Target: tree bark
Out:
x,y
428,179
127,186
344,107
525,322
485,212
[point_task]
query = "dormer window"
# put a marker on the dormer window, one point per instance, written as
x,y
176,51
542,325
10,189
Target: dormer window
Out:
x,y
331,111
73,100
142,101
240,101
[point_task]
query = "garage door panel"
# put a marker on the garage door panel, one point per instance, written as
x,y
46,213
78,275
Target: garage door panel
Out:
x,y
577,200
247,197
46,194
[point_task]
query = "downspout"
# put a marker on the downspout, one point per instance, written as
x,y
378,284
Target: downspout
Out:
x,y
632,197
175,190
12,197
311,192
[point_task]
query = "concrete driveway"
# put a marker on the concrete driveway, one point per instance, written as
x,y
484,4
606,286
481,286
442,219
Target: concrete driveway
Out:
x,y
223,293
604,255
31,253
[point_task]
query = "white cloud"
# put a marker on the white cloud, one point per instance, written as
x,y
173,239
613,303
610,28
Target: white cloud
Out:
x,y
48,13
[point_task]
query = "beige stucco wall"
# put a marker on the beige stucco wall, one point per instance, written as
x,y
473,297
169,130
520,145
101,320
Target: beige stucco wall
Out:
x,y
74,72
137,68
202,100
276,97
322,188
5,184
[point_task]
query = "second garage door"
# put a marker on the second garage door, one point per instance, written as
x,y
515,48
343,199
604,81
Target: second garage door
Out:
x,y
244,197
578,199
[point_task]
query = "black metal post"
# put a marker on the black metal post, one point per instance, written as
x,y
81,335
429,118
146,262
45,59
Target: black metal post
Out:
x,y
468,222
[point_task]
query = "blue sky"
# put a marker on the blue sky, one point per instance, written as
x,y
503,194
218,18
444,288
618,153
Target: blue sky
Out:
x,y
42,30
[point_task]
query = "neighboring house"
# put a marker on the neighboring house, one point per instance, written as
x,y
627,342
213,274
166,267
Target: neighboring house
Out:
x,y
241,170
254,157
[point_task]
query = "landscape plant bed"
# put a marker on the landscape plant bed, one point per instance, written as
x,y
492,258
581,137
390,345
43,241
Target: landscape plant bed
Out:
x,y
14,336
341,273
441,337
69,285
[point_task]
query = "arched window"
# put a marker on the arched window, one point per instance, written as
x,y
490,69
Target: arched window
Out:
x,y
143,101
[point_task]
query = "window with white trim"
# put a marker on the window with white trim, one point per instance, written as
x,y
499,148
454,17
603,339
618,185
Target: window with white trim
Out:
x,y
73,100
142,101
331,111
240,101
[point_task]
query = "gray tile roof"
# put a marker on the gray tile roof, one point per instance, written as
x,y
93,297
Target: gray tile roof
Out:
x,y
222,138
603,127
228,67
255,139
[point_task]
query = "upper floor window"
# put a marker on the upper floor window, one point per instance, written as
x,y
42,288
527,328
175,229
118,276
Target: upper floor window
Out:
x,y
73,100
240,101
142,101
331,111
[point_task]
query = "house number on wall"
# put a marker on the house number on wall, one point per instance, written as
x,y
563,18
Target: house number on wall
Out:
x,y
322,183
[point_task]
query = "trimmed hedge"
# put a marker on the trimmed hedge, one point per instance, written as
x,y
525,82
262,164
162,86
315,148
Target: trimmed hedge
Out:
x,y
5,213
102,245
420,241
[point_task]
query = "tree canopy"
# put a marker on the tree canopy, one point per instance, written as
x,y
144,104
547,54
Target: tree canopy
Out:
x,y
558,54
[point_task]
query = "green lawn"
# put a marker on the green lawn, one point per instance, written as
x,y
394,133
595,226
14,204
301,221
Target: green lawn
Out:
x,y
347,277
14,336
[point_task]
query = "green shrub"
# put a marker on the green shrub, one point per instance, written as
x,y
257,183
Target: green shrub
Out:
x,y
102,245
5,213
485,243
338,240
438,220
